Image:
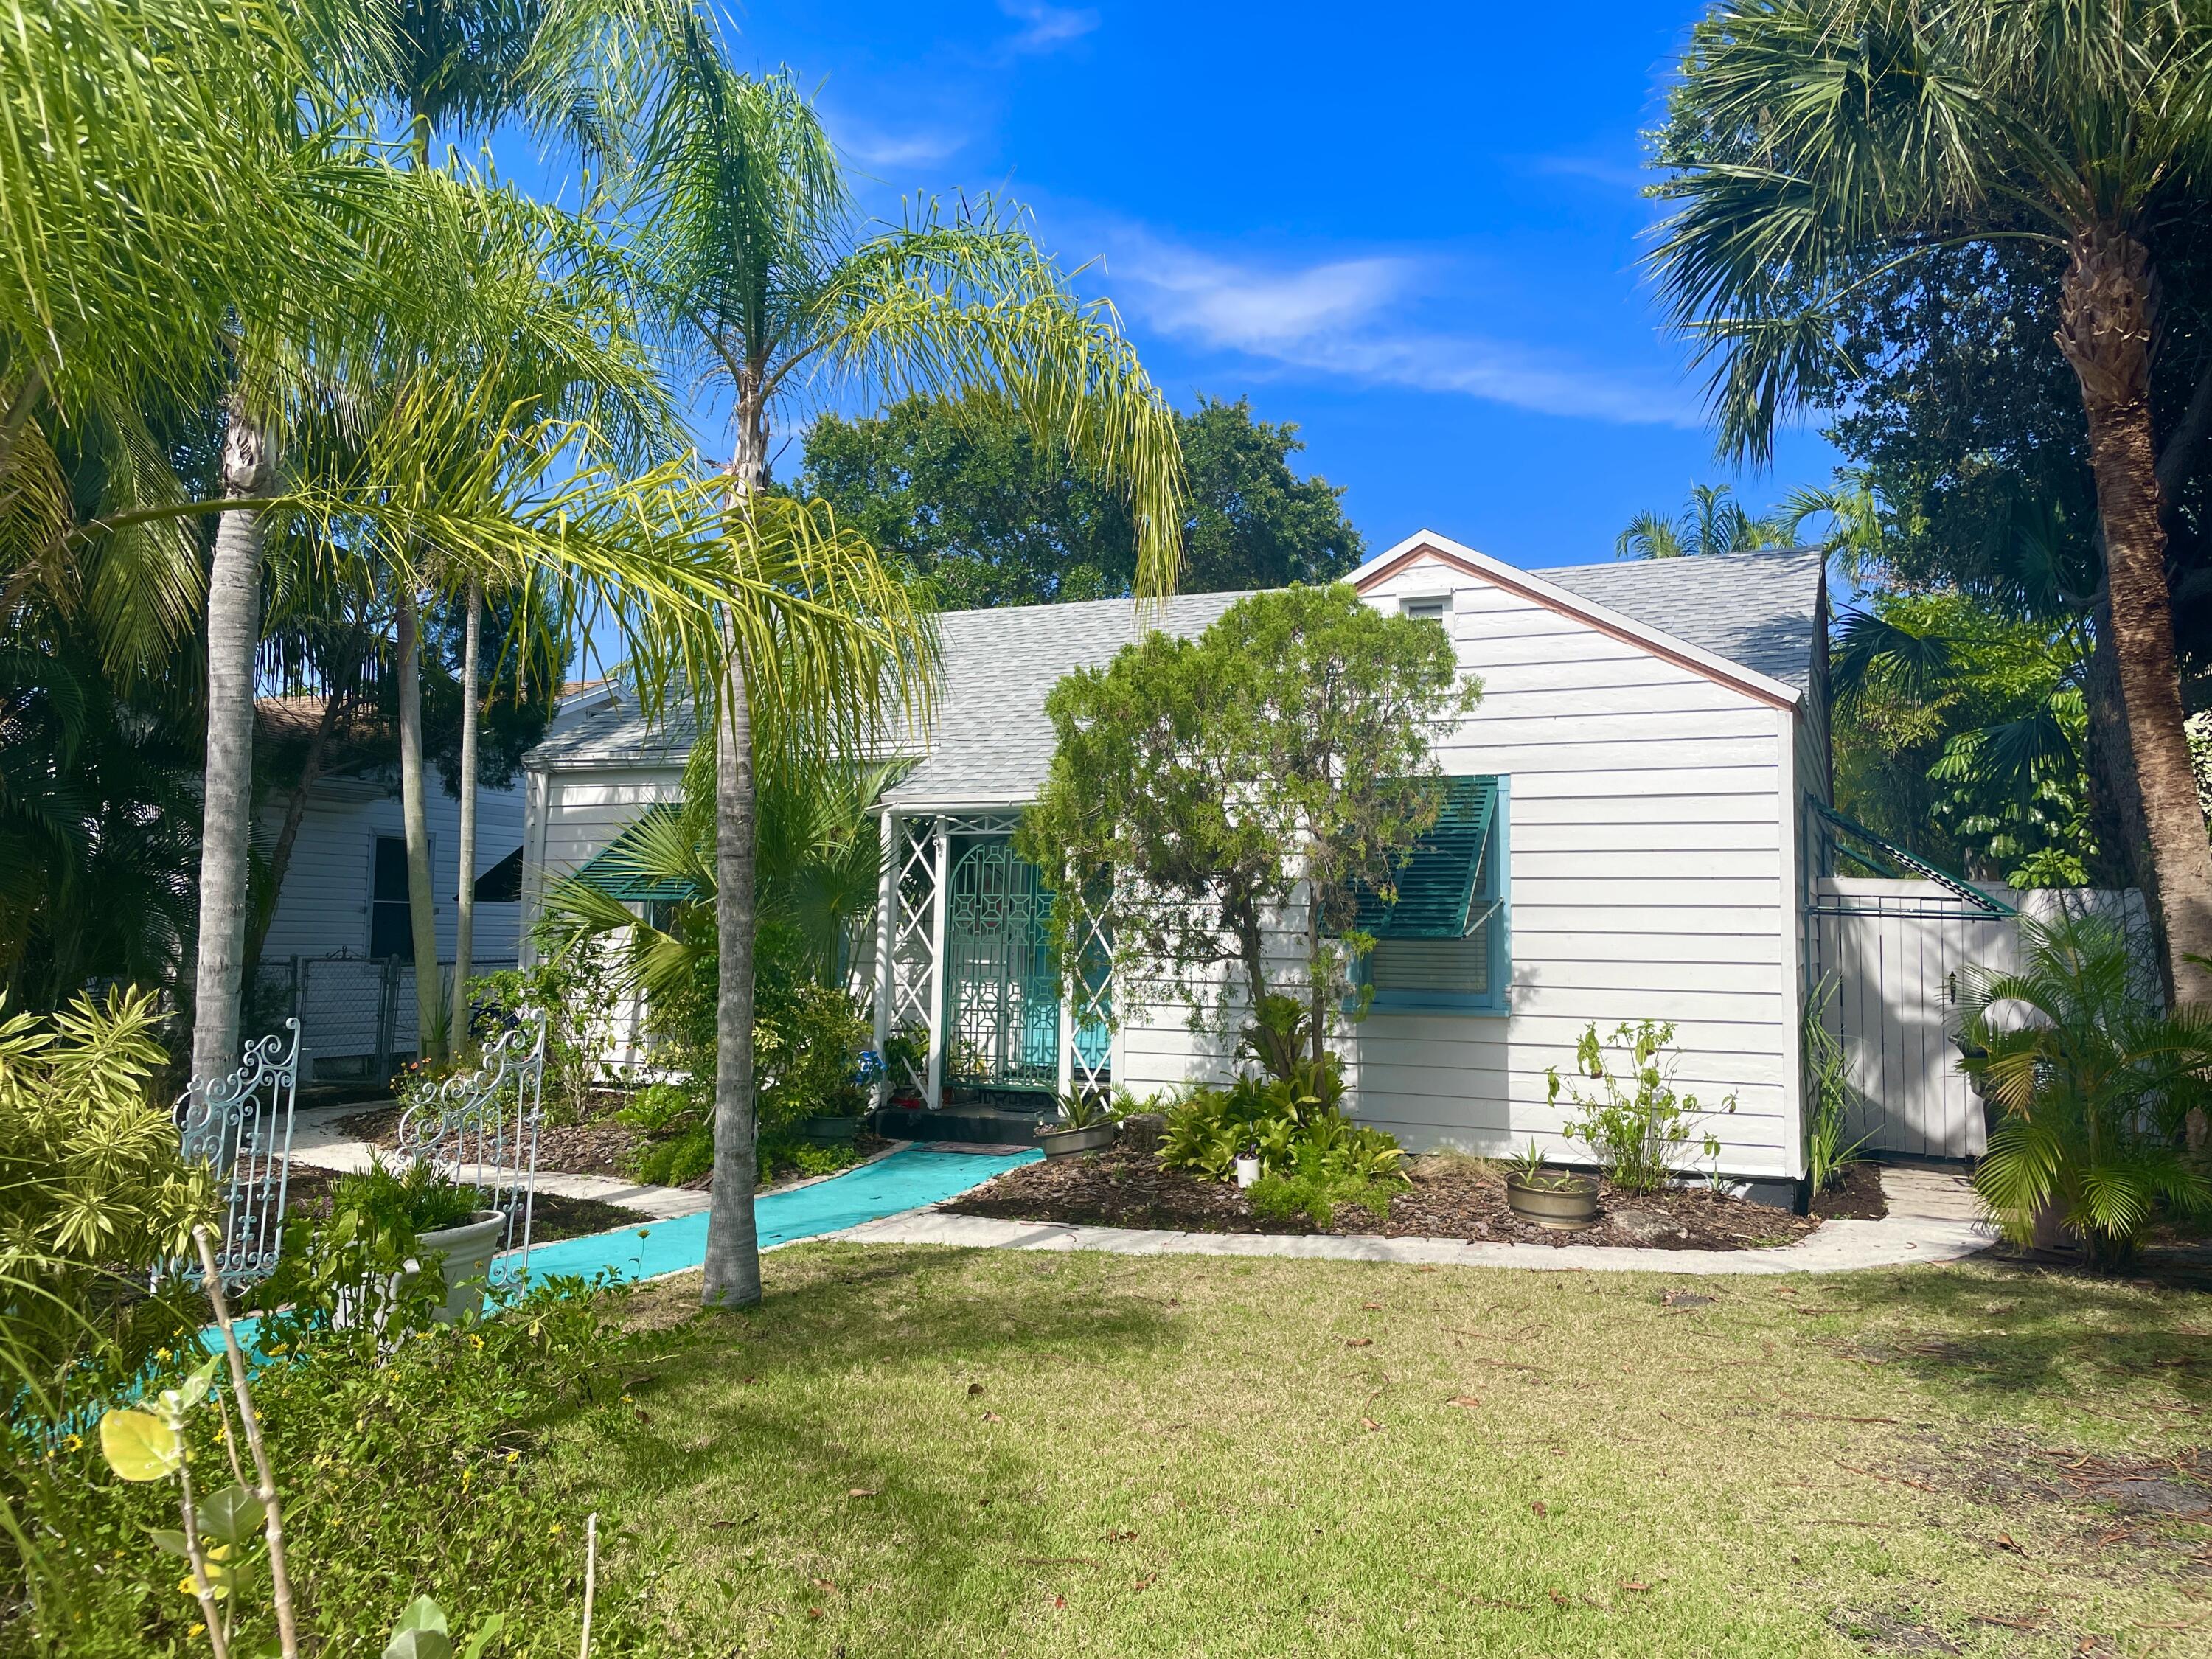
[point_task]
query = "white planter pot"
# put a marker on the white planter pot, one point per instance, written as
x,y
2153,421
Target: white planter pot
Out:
x,y
467,1251
1247,1171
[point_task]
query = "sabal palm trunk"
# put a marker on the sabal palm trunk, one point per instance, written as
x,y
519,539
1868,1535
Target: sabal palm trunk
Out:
x,y
2104,330
732,1266
414,816
233,615
464,897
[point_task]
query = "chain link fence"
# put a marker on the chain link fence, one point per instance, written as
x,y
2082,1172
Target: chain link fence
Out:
x,y
356,1013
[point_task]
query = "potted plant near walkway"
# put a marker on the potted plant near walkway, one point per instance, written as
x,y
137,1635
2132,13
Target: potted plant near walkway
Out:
x,y
1085,1125
447,1221
1556,1199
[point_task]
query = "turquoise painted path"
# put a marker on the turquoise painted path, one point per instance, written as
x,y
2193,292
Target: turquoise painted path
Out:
x,y
907,1180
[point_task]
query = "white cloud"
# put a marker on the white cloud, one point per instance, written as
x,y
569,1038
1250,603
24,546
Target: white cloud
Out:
x,y
1048,25
880,146
1357,319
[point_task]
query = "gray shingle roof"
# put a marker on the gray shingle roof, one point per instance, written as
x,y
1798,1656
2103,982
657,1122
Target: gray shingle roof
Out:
x,y
618,735
993,744
1760,609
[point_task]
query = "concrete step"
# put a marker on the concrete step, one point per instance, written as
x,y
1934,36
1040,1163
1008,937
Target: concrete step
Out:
x,y
987,1125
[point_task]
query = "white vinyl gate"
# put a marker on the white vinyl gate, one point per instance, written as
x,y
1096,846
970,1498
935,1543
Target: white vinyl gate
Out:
x,y
1893,950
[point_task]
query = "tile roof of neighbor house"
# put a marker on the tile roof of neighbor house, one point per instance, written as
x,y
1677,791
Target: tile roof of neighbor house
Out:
x,y
993,745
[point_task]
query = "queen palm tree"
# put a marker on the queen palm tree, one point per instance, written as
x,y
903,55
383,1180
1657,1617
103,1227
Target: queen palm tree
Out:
x,y
566,68
750,248
1819,144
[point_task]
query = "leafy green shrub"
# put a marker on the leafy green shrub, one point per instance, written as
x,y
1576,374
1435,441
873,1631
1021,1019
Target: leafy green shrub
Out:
x,y
93,1192
658,1108
575,992
420,1198
422,1474
2097,1083
1640,1134
1312,1157
1827,1156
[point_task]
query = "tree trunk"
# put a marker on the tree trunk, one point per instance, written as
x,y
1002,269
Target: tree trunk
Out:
x,y
233,615
732,1266
2104,332
732,1276
421,905
295,812
465,912
2116,814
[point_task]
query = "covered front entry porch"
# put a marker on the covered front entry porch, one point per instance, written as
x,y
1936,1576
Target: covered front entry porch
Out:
x,y
970,1009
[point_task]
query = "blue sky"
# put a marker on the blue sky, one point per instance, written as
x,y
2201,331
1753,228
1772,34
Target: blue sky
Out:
x,y
1413,229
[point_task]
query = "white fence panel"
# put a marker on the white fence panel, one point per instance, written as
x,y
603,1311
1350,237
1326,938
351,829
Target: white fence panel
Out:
x,y
1893,950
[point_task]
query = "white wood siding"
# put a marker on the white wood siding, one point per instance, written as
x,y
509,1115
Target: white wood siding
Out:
x,y
1650,814
574,814
324,909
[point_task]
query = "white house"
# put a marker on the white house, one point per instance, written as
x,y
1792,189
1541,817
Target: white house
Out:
x,y
339,951
1633,821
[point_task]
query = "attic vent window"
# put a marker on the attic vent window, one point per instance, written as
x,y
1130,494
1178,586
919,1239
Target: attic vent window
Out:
x,y
1428,610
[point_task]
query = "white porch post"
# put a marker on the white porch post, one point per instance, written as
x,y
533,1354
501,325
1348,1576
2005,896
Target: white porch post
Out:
x,y
938,919
1067,995
887,933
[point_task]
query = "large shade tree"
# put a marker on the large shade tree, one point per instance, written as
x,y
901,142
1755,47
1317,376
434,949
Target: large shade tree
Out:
x,y
1818,144
771,287
963,492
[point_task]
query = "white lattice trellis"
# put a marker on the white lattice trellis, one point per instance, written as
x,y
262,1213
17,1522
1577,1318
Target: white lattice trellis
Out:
x,y
1086,1019
910,965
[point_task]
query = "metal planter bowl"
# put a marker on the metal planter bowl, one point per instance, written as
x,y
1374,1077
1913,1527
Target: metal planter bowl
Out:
x,y
1566,1203
1073,1143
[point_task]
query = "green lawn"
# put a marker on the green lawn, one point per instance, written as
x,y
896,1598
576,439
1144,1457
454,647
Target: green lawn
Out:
x,y
918,1452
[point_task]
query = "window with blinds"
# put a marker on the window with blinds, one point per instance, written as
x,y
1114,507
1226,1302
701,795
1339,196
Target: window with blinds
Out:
x,y
1444,945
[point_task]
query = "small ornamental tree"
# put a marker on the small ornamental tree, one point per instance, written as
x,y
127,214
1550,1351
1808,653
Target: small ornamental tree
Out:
x,y
1210,798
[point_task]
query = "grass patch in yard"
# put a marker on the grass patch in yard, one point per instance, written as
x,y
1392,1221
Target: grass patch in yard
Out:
x,y
919,1451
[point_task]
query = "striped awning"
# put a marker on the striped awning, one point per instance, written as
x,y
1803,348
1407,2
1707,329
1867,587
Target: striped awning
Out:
x,y
1437,888
612,871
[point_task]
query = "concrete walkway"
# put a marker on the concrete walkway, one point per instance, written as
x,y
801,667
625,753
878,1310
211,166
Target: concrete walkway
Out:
x,y
317,1140
1931,1219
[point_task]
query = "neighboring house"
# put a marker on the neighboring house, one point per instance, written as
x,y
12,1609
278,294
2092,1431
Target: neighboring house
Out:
x,y
1630,836
339,951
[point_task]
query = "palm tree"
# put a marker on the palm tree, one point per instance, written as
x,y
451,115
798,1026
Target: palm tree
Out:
x,y
1710,522
2097,1083
751,249
567,67
1818,144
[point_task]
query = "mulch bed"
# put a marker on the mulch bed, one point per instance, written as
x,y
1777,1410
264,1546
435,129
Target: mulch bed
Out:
x,y
1859,1196
1450,1198
599,1146
550,1217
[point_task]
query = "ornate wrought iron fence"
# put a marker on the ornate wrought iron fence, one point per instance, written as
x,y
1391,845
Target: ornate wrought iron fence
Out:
x,y
481,1129
241,1126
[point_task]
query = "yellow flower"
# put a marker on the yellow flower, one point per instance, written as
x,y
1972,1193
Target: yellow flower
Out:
x,y
467,1475
513,1455
556,1529
74,1443
197,1628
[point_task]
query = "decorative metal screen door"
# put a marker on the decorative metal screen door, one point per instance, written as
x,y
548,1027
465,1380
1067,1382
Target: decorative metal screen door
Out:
x,y
1001,1001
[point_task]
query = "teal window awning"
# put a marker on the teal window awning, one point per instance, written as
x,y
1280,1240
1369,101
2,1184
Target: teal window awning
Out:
x,y
1439,890
613,870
